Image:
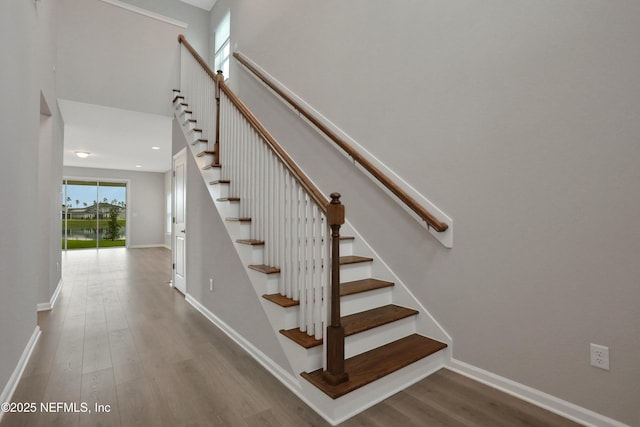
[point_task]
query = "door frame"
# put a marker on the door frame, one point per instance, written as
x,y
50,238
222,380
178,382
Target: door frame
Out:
x,y
179,156
126,181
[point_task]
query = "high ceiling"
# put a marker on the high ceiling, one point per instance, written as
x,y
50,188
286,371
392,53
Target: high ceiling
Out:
x,y
202,4
115,138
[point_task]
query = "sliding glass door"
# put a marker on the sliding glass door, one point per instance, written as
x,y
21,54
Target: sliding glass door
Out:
x,y
93,214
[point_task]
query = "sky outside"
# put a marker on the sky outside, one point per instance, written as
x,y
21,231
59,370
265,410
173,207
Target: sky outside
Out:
x,y
88,193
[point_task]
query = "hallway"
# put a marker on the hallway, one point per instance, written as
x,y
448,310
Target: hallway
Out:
x,y
121,338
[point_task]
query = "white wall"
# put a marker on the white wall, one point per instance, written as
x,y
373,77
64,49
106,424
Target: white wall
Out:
x,y
111,56
210,255
197,19
27,258
146,205
520,121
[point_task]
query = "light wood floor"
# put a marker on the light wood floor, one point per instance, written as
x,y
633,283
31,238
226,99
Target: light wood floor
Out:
x,y
120,336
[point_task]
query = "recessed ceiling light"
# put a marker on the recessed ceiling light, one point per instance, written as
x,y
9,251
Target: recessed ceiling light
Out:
x,y
155,148
82,154
138,166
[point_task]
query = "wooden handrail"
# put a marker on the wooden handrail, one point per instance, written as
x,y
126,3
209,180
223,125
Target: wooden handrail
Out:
x,y
334,211
423,213
291,166
182,39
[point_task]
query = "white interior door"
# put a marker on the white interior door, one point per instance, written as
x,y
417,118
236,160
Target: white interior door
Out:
x,y
179,221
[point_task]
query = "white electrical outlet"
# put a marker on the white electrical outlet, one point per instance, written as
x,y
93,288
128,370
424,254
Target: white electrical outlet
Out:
x,y
599,356
210,285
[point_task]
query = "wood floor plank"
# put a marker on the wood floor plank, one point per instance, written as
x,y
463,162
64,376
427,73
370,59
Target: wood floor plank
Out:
x,y
120,334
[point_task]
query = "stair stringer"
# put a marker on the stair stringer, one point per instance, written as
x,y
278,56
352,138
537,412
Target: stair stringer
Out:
x,y
262,283
303,360
426,324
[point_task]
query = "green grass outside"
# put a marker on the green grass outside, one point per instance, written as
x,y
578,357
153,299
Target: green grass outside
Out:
x,y
90,223
86,244
74,224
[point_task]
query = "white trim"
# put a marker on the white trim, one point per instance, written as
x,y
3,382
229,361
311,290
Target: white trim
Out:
x,y
146,13
12,384
127,182
536,397
276,370
46,306
445,237
159,245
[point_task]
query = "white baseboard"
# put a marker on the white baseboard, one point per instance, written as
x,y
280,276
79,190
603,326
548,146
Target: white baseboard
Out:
x,y
536,397
12,384
46,306
159,245
262,358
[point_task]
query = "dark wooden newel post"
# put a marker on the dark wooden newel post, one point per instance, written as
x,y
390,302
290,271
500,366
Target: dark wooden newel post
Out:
x,y
335,373
216,145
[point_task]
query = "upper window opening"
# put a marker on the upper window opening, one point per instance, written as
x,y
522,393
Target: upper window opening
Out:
x,y
222,50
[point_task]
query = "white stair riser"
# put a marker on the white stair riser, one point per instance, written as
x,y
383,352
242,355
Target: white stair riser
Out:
x,y
346,247
238,230
251,253
229,209
290,315
202,146
220,190
377,391
193,136
184,117
264,283
302,359
189,125
208,158
376,337
365,301
357,271
211,174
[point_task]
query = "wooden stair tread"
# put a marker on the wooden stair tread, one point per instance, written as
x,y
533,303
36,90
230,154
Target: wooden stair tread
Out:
x,y
281,300
353,259
196,130
356,323
206,141
359,286
220,181
372,365
347,238
228,199
239,219
301,338
369,319
212,165
266,269
251,242
205,152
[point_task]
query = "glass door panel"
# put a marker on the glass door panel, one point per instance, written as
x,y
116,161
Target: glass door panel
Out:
x,y
79,228
112,202
93,214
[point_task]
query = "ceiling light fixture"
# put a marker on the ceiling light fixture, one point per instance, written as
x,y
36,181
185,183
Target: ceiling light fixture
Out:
x,y
138,166
82,154
155,148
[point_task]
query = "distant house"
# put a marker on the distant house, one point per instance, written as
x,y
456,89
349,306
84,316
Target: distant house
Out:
x,y
89,212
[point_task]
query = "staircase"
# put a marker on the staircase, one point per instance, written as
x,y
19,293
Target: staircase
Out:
x,y
390,339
